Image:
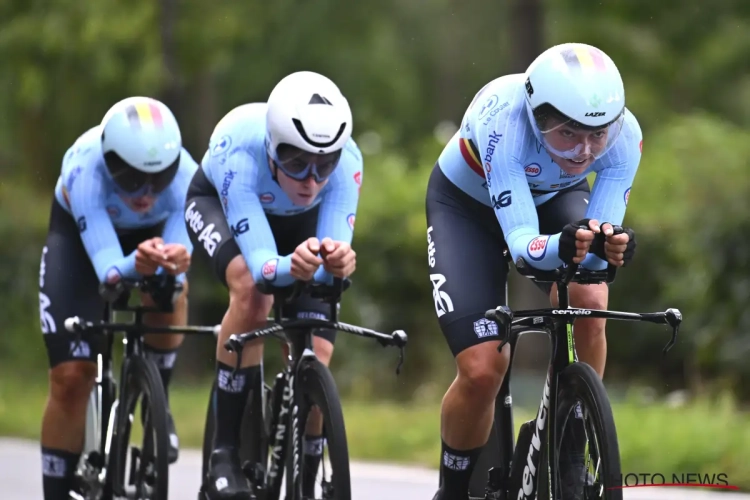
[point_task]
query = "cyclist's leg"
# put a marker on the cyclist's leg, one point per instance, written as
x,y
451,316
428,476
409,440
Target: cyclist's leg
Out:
x,y
160,348
468,274
591,344
290,232
68,286
247,310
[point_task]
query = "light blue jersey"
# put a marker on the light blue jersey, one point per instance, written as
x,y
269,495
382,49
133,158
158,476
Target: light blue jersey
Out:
x,y
237,165
85,190
496,159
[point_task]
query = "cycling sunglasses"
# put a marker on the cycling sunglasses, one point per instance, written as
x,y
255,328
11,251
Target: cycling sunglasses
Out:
x,y
299,164
135,182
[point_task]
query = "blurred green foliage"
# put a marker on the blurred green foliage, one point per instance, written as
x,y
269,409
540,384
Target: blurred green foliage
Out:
x,y
409,68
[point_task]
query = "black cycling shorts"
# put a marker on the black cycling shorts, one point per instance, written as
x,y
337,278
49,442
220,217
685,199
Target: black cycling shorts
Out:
x,y
68,286
203,208
465,250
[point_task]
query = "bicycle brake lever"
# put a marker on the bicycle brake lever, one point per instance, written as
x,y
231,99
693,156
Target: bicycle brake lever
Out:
x,y
400,361
674,319
672,342
232,345
238,361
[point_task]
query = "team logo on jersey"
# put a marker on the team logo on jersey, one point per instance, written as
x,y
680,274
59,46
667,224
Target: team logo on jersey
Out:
x,y
267,198
538,247
358,180
269,269
350,219
490,103
626,196
532,170
221,146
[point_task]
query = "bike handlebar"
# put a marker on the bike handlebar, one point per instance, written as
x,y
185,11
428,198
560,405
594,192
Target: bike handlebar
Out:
x,y
398,338
323,291
163,289
572,273
567,274
503,316
77,325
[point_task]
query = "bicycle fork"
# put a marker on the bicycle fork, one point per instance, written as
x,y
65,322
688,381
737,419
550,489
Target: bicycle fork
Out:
x,y
282,408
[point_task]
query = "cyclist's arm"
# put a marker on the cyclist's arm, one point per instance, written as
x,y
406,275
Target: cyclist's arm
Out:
x,y
338,209
248,221
87,203
509,192
612,185
175,230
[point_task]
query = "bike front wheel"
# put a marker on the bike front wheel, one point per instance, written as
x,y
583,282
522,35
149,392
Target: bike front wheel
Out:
x,y
141,472
586,452
317,389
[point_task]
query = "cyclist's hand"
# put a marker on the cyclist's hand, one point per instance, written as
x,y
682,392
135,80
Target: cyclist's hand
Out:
x,y
619,246
339,258
178,258
305,260
148,256
575,242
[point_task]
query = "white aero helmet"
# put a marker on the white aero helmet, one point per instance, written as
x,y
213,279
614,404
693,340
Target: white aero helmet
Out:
x,y
577,85
141,144
308,122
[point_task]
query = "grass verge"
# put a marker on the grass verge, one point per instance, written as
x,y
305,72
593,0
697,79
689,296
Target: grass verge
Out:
x,y
705,437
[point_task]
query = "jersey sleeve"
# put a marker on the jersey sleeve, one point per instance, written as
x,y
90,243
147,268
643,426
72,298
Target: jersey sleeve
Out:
x,y
338,209
87,203
247,219
175,230
497,142
609,196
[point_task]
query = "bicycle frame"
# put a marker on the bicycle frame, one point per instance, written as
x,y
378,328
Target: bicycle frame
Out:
x,y
299,338
109,393
552,322
285,412
286,408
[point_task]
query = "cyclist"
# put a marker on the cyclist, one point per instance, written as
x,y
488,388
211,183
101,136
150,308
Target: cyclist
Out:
x,y
116,213
274,202
521,157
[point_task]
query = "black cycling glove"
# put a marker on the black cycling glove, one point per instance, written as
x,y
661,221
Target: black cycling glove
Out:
x,y
597,246
566,247
629,252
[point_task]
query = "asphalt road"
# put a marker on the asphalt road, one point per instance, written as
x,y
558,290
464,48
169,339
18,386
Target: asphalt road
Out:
x,y
20,479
